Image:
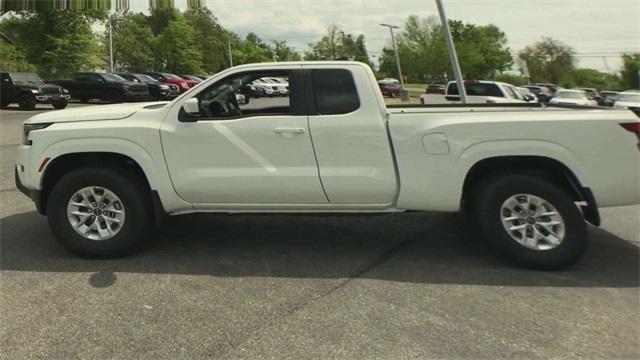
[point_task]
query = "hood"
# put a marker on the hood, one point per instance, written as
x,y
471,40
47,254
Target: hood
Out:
x,y
91,113
38,86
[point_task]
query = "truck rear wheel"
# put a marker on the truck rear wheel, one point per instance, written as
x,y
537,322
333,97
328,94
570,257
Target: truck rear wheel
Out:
x,y
27,102
100,212
530,220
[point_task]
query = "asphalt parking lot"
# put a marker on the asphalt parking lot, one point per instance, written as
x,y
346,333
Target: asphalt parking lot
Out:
x,y
402,286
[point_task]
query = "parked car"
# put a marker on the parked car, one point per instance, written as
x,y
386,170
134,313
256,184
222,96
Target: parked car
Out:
x,y
157,90
543,93
482,92
389,88
191,77
528,95
262,87
435,89
609,97
594,94
628,99
85,86
335,148
572,97
183,84
283,85
28,89
552,87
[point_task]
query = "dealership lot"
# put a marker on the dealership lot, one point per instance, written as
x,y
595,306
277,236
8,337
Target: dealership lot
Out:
x,y
397,286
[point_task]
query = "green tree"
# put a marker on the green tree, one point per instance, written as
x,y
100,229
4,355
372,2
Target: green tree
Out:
x,y
549,60
482,51
176,49
513,79
338,45
283,52
57,42
211,37
11,59
133,42
631,71
590,78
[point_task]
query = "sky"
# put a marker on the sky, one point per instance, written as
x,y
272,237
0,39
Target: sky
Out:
x,y
598,30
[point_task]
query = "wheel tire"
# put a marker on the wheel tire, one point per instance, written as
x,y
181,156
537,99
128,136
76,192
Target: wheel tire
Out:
x,y
486,207
27,102
4,103
138,223
60,103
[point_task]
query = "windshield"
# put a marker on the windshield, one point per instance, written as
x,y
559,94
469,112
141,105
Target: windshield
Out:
x,y
112,77
571,95
477,89
629,97
146,78
27,78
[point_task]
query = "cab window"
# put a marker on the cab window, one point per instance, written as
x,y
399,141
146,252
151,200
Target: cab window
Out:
x,y
255,93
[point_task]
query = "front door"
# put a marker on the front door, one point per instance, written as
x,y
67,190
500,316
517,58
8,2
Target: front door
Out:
x,y
242,149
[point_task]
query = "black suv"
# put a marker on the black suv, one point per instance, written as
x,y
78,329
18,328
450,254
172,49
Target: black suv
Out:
x,y
157,91
28,89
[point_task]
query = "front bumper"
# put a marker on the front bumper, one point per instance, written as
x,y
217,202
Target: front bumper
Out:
x,y
48,99
35,195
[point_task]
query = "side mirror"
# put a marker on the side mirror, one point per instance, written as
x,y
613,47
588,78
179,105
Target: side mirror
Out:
x,y
192,107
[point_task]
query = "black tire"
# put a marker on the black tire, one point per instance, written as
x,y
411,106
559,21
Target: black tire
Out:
x,y
27,102
486,203
4,103
60,103
138,223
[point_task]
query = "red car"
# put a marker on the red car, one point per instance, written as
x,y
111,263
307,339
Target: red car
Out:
x,y
183,84
389,88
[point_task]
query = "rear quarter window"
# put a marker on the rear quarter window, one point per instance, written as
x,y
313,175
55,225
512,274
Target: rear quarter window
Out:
x,y
335,91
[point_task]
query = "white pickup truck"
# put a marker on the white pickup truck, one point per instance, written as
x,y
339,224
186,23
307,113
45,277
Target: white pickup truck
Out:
x,y
527,175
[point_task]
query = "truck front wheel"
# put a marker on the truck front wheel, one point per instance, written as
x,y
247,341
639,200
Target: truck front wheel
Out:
x,y
530,220
27,102
60,103
100,212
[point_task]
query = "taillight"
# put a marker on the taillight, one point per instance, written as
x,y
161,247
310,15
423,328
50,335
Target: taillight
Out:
x,y
632,127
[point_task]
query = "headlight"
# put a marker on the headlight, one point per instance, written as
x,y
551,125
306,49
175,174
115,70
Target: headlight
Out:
x,y
164,87
64,91
35,91
27,128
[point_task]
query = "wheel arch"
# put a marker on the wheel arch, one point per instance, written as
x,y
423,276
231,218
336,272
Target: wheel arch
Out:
x,y
549,168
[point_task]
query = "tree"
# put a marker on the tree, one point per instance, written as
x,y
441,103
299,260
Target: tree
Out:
x,y
283,52
176,49
631,71
549,60
133,42
11,59
513,79
57,42
211,37
590,78
482,51
336,45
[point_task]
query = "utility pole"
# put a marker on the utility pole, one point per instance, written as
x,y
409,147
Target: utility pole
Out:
x,y
110,46
230,55
395,49
453,57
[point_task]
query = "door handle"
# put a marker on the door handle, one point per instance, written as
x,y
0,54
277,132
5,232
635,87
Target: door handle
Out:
x,y
287,130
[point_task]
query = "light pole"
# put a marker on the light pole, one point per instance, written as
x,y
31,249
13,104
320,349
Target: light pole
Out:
x,y
110,46
453,57
395,49
230,54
